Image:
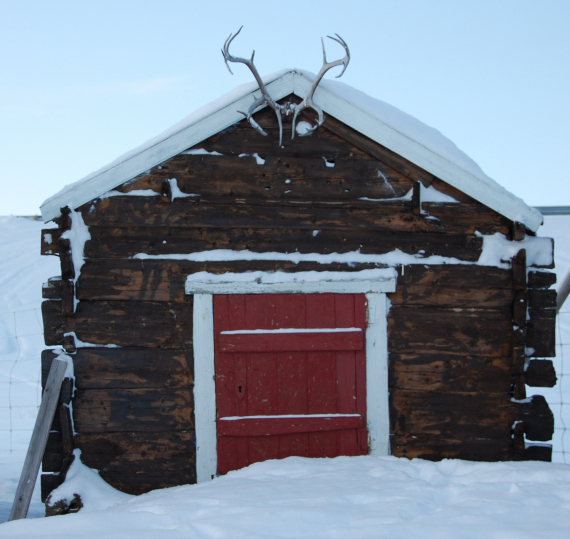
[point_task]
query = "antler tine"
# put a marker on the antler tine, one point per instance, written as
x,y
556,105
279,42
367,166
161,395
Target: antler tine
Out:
x,y
346,58
265,97
308,102
226,50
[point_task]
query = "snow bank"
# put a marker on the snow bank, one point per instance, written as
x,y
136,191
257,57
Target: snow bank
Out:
x,y
346,497
498,250
22,272
96,494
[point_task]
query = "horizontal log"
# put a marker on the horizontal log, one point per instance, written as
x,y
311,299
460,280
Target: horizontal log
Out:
x,y
382,153
540,452
541,279
449,372
459,331
450,218
125,410
542,299
54,322
541,333
164,280
52,289
139,453
452,415
242,138
123,323
123,242
438,448
50,241
537,419
284,342
282,425
48,483
454,286
540,373
280,177
128,368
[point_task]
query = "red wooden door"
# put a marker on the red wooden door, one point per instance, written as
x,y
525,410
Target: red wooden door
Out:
x,y
290,377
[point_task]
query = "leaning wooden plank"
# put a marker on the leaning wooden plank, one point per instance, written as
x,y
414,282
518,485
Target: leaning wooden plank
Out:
x,y
38,442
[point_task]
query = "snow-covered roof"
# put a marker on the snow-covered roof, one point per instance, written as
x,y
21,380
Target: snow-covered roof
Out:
x,y
390,127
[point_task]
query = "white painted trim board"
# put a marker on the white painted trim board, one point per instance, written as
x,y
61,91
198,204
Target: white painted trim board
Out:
x,y
387,284
378,421
204,387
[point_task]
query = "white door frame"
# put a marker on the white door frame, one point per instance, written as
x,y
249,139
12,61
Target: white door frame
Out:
x,y
377,411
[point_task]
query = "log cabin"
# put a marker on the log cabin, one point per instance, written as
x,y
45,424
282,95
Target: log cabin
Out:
x,y
227,298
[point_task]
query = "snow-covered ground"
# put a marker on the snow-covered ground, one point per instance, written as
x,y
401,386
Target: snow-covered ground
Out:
x,y
356,497
22,272
346,497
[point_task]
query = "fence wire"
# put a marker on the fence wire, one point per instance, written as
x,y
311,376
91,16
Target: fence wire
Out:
x,y
558,397
21,344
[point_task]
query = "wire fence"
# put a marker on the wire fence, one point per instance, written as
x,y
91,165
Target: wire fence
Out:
x,y
558,397
21,344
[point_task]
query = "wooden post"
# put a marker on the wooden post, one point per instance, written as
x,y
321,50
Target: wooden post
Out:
x,y
50,401
519,318
416,198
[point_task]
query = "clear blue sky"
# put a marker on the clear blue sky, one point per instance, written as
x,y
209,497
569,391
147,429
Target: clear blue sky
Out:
x,y
83,82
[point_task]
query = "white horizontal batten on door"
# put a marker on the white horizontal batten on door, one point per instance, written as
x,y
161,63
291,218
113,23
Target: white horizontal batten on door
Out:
x,y
289,416
288,330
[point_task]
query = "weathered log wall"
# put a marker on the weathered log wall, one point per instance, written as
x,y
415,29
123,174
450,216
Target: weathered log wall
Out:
x,y
455,359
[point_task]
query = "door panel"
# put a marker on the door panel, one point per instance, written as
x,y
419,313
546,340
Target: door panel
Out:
x,y
319,377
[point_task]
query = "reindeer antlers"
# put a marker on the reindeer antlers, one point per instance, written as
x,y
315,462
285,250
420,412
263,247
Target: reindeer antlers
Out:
x,y
308,102
266,99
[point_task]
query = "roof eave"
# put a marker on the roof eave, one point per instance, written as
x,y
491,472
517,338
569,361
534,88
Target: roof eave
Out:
x,y
298,83
163,149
